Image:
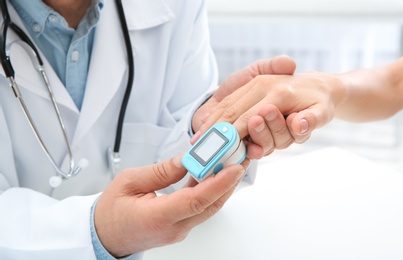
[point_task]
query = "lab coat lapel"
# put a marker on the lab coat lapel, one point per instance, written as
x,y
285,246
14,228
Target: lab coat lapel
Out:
x,y
108,68
147,14
28,78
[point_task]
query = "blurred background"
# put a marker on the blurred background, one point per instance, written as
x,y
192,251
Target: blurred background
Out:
x,y
329,36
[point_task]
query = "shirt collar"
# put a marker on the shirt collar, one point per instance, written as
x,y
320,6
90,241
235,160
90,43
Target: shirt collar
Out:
x,y
34,13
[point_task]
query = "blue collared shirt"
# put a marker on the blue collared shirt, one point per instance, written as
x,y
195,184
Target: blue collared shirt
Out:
x,y
68,50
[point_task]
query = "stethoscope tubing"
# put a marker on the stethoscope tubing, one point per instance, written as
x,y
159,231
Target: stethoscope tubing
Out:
x,y
130,79
37,61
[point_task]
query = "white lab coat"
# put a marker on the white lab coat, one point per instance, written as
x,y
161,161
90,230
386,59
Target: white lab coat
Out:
x,y
175,70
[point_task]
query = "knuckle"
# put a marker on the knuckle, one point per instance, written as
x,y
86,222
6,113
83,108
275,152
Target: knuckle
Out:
x,y
229,113
267,144
245,117
160,172
282,92
285,92
219,204
285,144
224,104
270,151
198,205
280,130
213,208
282,138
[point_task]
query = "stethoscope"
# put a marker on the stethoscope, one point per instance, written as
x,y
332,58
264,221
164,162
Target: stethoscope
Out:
x,y
24,41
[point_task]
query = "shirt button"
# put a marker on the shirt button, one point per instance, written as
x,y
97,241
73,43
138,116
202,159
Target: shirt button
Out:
x,y
75,55
36,27
53,18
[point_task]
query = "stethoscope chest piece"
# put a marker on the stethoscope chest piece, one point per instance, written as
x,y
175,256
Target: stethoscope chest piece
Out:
x,y
56,180
113,161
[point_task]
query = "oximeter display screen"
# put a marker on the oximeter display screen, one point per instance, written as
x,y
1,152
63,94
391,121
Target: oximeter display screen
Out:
x,y
208,147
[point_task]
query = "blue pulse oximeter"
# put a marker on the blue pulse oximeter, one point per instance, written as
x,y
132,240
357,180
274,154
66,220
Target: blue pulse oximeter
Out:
x,y
218,147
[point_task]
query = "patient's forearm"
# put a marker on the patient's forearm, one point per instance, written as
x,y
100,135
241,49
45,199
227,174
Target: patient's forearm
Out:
x,y
372,94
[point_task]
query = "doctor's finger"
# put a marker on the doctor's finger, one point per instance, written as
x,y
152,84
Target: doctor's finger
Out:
x,y
189,202
155,177
214,208
193,221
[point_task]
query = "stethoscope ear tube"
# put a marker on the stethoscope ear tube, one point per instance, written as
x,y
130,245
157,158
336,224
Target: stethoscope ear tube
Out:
x,y
5,60
7,23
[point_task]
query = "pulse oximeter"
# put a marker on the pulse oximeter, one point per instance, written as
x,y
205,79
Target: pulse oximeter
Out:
x,y
218,147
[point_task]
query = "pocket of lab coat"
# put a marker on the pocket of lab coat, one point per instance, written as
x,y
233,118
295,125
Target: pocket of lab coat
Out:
x,y
141,143
4,185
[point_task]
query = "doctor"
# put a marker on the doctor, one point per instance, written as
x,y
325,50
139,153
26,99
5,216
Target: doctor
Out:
x,y
84,55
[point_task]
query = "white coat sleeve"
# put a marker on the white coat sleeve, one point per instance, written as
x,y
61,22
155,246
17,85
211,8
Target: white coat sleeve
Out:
x,y
35,226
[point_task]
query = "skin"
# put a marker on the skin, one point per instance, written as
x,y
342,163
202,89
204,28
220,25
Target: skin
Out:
x,y
130,217
311,100
263,133
259,123
72,10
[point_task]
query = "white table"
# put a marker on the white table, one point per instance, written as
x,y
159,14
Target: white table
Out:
x,y
327,204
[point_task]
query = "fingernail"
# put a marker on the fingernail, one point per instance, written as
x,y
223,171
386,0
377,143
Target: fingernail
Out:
x,y
195,137
204,118
260,128
271,116
304,126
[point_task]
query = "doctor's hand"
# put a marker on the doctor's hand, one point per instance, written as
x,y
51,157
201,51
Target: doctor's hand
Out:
x,y
130,217
241,100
